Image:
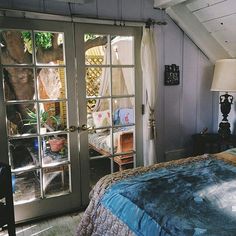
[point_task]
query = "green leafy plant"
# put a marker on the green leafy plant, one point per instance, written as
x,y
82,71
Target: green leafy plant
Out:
x,y
42,39
90,37
45,118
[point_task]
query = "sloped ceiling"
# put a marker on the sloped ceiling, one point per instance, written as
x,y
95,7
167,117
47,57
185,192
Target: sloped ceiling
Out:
x,y
211,24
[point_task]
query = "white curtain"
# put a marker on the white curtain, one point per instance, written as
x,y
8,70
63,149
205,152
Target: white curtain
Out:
x,y
148,63
122,78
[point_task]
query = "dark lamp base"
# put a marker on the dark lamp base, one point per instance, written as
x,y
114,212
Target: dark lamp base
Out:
x,y
225,106
224,130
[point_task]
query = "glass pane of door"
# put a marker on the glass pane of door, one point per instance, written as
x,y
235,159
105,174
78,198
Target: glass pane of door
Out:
x,y
110,96
35,89
37,106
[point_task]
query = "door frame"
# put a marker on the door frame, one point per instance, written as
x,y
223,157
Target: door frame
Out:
x,y
49,206
80,30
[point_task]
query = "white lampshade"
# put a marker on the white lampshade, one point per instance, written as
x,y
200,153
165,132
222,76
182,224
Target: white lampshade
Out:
x,y
224,78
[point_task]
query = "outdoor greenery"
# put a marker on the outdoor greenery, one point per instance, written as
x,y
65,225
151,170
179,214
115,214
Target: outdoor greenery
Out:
x,y
46,119
42,39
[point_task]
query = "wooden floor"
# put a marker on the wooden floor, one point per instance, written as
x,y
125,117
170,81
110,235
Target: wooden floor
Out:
x,y
58,226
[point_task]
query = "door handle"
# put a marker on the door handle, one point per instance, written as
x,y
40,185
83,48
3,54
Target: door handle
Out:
x,y
72,128
83,127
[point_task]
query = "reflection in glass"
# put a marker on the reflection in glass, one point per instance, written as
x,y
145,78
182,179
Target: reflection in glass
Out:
x,y
122,81
56,180
16,47
123,111
123,139
124,162
26,186
18,120
98,107
18,83
122,49
24,153
99,143
51,83
54,149
97,81
51,42
52,116
96,49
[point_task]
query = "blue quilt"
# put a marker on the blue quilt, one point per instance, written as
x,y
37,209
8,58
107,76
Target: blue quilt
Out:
x,y
197,198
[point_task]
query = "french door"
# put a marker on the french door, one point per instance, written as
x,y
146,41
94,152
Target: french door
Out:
x,y
64,124
110,101
38,105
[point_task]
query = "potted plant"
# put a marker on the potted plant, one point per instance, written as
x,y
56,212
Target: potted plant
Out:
x,y
47,122
56,144
45,118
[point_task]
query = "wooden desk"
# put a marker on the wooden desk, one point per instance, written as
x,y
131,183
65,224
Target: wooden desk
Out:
x,y
211,143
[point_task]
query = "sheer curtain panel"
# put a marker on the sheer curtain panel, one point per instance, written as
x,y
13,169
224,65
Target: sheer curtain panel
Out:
x,y
149,73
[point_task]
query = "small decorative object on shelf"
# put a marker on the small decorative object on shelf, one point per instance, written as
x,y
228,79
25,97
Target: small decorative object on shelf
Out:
x,y
212,143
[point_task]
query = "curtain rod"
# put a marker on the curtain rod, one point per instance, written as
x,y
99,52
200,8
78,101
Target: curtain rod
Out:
x,y
75,18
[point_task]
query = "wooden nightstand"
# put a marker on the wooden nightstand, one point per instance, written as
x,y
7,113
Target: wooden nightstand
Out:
x,y
211,143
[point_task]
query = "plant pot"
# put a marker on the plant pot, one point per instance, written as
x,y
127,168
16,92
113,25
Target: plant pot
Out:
x,y
56,144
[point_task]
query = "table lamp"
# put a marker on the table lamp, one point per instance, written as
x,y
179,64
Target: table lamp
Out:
x,y
224,80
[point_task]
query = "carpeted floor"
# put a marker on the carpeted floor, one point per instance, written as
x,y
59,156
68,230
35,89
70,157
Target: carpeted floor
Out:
x,y
65,225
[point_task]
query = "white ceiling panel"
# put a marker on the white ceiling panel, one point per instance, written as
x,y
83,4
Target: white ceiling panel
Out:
x,y
231,48
217,17
225,36
222,23
217,10
199,4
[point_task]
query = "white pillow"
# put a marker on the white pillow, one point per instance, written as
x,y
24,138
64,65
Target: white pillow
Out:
x,y
126,116
101,119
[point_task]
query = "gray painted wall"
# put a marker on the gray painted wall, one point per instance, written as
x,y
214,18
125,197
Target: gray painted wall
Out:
x,y
182,110
189,107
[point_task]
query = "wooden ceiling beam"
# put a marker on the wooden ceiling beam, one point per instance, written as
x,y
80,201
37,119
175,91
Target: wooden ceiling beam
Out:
x,y
197,32
166,3
72,1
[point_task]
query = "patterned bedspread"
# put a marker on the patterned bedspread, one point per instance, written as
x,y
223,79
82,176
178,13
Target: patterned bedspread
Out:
x,y
193,196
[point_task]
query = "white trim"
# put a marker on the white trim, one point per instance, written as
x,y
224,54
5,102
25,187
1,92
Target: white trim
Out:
x,y
72,1
166,3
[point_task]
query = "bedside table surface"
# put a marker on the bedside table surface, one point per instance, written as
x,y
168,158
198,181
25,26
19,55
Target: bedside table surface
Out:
x,y
211,143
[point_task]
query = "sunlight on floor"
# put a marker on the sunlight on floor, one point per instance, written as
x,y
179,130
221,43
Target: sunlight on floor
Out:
x,y
65,225
41,231
18,231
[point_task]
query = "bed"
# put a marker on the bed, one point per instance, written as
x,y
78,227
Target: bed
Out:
x,y
191,196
